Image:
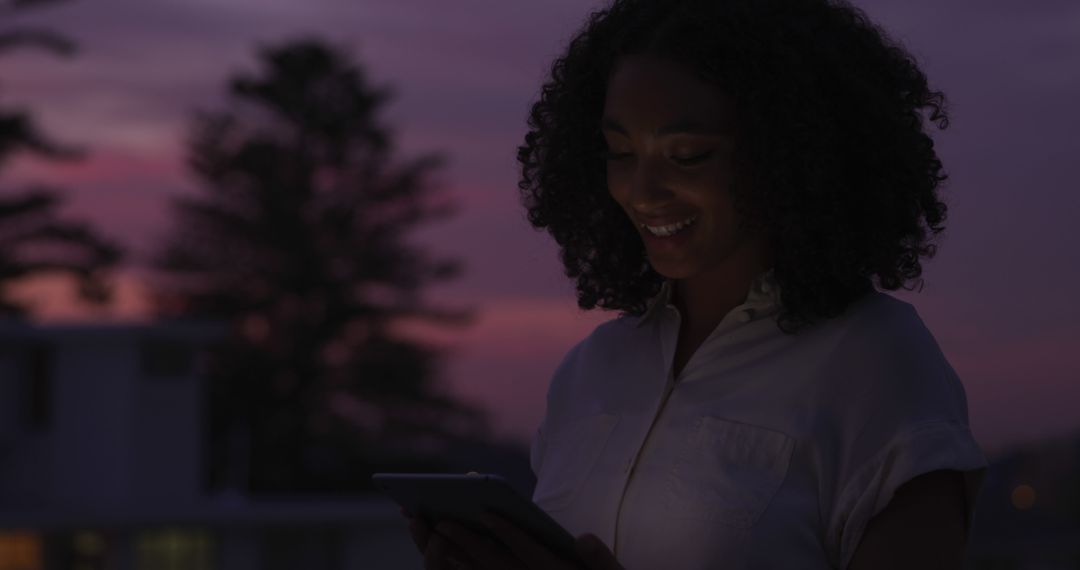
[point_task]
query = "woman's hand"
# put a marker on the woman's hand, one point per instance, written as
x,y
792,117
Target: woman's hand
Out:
x,y
450,546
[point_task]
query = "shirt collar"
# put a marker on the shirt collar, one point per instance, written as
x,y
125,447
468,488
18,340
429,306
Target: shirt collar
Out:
x,y
764,294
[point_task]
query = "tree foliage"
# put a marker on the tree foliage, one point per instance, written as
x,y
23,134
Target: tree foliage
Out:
x,y
296,239
34,239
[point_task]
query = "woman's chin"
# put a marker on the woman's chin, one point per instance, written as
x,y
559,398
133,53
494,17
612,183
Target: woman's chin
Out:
x,y
672,270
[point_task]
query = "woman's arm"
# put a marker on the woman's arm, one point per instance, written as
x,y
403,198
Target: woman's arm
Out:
x,y
923,526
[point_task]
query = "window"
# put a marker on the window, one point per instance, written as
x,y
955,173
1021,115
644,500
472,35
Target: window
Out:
x,y
174,549
20,550
38,366
162,359
89,550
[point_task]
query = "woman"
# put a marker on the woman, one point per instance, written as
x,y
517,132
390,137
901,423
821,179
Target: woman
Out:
x,y
730,175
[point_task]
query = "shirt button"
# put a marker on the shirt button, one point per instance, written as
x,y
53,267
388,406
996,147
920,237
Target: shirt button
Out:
x,y
765,287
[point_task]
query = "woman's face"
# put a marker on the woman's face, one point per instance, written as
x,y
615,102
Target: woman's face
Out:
x,y
670,138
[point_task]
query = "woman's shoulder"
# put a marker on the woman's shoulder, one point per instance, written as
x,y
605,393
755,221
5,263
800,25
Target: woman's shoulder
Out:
x,y
618,333
889,329
610,347
887,358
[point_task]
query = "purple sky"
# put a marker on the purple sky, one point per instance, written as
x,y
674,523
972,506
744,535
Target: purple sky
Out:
x,y
1000,297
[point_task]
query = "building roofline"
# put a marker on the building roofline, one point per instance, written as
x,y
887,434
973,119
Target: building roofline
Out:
x,y
188,330
373,509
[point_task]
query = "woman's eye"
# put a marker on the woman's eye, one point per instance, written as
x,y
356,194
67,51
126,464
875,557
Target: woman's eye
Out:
x,y
692,159
610,156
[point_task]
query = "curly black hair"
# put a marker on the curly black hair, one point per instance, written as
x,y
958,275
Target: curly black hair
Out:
x,y
829,132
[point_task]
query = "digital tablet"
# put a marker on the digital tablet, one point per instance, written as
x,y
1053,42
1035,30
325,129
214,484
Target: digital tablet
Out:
x,y
462,498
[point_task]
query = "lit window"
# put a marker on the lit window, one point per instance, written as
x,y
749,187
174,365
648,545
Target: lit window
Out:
x,y
174,549
1023,497
20,550
89,550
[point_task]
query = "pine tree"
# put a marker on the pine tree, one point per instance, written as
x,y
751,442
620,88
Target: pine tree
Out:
x,y
34,240
295,239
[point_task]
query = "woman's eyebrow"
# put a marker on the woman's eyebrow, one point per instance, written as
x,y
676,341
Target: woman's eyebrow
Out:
x,y
681,126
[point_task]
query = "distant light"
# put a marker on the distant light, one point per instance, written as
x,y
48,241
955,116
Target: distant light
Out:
x,y
1023,497
174,548
21,549
89,543
256,328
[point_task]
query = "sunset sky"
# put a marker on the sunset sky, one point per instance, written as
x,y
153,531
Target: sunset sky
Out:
x,y
1000,297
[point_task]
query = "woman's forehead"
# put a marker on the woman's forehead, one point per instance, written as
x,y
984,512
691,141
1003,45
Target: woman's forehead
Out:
x,y
648,86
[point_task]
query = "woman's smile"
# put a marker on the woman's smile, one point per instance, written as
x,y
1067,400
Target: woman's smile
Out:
x,y
671,241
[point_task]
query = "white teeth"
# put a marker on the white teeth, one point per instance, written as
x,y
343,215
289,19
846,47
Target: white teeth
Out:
x,y
669,230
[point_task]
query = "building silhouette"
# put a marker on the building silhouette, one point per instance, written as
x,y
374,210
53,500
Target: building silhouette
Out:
x,y
102,466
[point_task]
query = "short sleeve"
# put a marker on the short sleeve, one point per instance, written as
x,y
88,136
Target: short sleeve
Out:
x,y
929,446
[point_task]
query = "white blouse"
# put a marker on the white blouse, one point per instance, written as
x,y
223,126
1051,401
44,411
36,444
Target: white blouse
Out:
x,y
768,451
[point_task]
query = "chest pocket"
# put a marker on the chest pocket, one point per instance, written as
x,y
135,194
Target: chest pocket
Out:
x,y
570,453
728,472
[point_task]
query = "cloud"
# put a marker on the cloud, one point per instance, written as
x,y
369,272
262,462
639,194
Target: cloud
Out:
x,y
1021,390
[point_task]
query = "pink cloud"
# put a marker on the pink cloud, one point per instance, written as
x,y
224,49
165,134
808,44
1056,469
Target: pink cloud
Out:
x,y
99,167
54,299
1023,389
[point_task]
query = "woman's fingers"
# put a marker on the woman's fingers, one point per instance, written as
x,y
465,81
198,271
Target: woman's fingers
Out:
x,y
484,551
521,543
420,533
418,529
435,553
443,554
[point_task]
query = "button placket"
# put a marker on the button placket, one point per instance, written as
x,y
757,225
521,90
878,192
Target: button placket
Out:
x,y
632,460
628,467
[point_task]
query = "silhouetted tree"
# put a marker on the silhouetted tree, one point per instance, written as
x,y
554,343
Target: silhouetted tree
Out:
x,y
33,238
296,239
